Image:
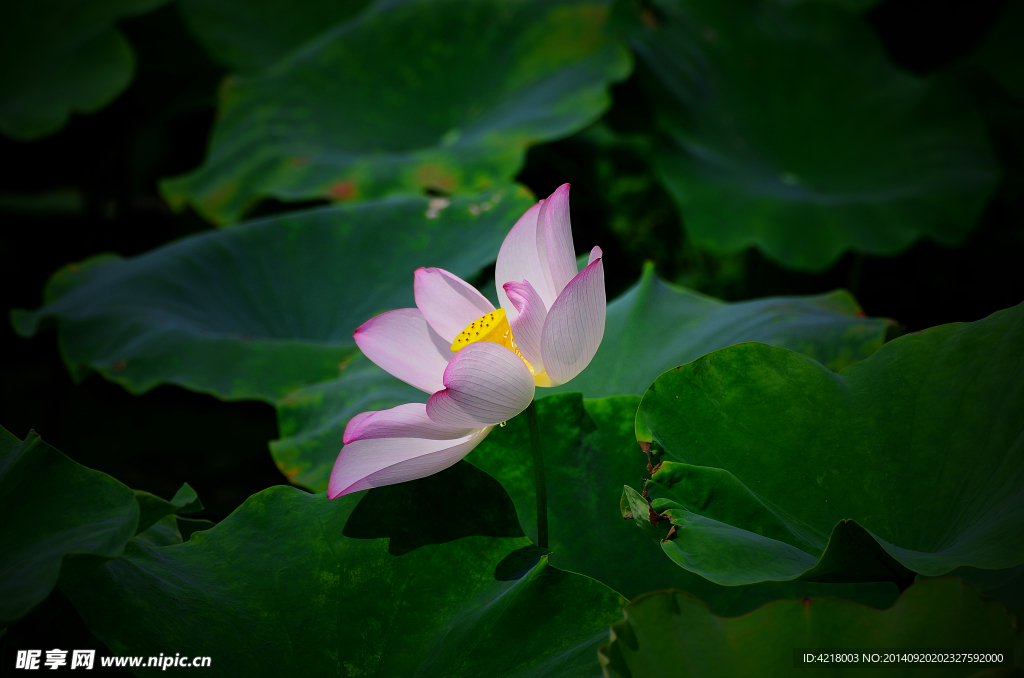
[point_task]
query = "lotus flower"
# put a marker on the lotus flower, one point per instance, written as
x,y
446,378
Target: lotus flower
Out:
x,y
480,364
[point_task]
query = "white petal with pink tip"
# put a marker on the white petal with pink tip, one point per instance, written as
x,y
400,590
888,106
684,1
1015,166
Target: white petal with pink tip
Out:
x,y
528,326
575,324
404,421
558,246
485,384
520,259
386,461
448,302
404,345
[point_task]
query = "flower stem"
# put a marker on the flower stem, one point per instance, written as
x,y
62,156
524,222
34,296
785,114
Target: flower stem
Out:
x,y
538,476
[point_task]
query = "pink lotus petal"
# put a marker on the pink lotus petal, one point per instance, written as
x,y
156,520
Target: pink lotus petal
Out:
x,y
404,421
575,324
529,324
520,258
485,384
595,254
387,461
404,345
448,302
561,255
353,425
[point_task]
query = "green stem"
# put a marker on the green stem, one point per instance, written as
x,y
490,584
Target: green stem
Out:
x,y
538,476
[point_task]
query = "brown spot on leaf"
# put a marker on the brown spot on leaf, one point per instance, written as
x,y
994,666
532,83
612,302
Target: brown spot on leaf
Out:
x,y
655,517
671,534
646,449
220,196
119,365
435,177
289,473
649,18
344,189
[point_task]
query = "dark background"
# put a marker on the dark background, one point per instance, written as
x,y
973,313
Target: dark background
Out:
x,y
95,188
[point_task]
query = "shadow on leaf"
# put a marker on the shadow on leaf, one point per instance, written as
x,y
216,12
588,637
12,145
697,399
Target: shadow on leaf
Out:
x,y
519,562
461,501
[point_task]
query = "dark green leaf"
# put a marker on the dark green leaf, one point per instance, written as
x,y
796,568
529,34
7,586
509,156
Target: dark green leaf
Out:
x,y
656,326
589,455
670,634
189,526
258,310
590,452
152,508
792,132
52,507
276,589
417,94
252,35
61,56
765,452
163,532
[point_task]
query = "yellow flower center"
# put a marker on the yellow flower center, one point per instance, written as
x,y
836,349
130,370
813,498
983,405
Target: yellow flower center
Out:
x,y
493,327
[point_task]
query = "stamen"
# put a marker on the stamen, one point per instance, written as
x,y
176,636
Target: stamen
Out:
x,y
492,327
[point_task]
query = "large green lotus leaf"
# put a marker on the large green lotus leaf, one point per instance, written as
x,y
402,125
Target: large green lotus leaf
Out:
x,y
261,309
653,327
77,512
909,461
52,507
670,634
278,589
792,132
656,326
61,56
412,95
590,452
250,35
